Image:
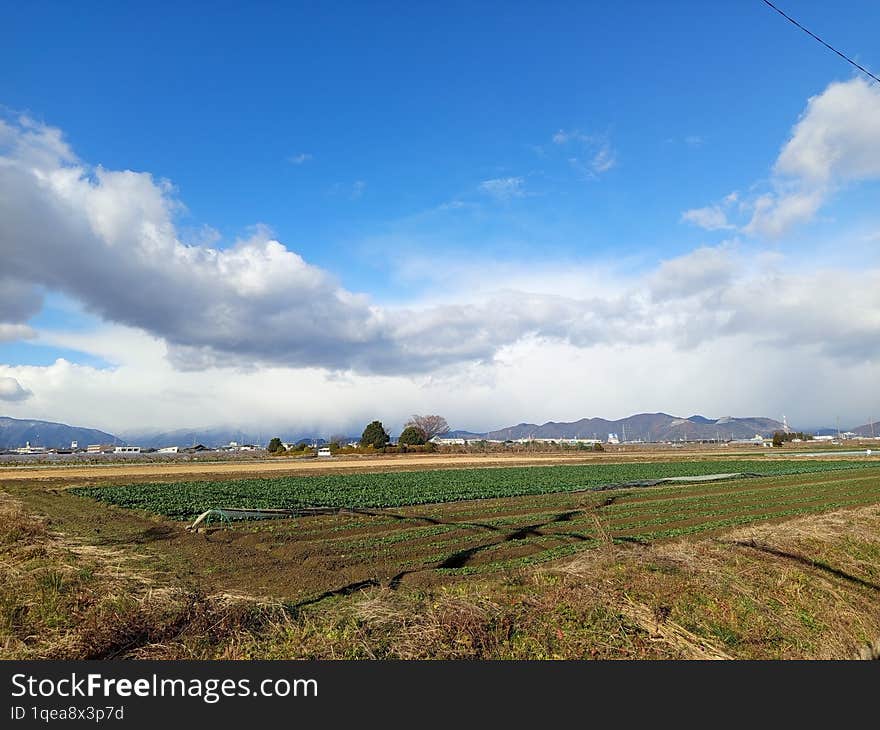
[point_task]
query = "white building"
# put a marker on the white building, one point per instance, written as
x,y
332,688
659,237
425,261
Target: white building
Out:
x,y
127,450
613,439
28,449
324,451
169,450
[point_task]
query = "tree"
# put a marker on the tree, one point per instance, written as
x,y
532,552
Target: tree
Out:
x,y
275,446
431,426
412,436
778,438
375,435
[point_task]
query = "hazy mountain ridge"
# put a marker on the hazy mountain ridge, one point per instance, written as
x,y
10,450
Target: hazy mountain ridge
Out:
x,y
15,432
869,429
642,426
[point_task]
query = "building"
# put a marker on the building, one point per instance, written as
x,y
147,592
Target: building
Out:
x,y
28,449
127,450
613,438
756,440
324,451
100,448
168,450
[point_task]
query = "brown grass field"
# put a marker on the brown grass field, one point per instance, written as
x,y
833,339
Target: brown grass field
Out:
x,y
768,567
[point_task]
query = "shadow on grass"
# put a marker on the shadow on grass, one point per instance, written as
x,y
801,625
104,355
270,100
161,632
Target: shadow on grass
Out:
x,y
803,560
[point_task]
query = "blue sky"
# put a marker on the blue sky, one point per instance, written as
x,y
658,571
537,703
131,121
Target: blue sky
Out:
x,y
389,144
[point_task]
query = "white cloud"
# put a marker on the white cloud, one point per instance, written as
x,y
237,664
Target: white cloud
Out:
x,y
836,136
833,143
563,137
603,160
711,218
704,269
300,159
535,379
774,215
196,332
13,332
595,154
504,188
11,390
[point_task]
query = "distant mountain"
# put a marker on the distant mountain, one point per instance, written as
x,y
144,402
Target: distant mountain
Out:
x,y
869,429
700,419
210,437
644,427
821,430
470,435
15,432
218,436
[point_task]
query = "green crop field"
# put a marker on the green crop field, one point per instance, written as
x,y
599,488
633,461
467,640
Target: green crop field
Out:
x,y
185,500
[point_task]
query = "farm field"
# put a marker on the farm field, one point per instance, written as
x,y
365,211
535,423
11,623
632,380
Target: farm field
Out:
x,y
521,517
185,500
411,534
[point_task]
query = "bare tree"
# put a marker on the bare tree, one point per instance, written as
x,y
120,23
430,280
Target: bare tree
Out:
x,y
431,425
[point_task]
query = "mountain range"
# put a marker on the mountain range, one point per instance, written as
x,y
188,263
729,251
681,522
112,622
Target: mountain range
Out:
x,y
16,432
643,426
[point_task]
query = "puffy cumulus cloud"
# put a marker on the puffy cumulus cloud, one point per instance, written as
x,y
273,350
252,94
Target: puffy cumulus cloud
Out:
x,y
833,143
11,390
836,136
775,214
107,239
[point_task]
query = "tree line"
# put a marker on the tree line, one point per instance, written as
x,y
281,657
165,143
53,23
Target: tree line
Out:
x,y
418,431
780,437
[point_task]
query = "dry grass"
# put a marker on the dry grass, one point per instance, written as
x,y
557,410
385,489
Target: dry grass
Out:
x,y
63,600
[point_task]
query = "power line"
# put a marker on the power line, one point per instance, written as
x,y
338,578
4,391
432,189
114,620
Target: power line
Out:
x,y
813,35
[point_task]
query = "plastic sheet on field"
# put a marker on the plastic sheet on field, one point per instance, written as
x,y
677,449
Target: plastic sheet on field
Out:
x,y
668,480
229,514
